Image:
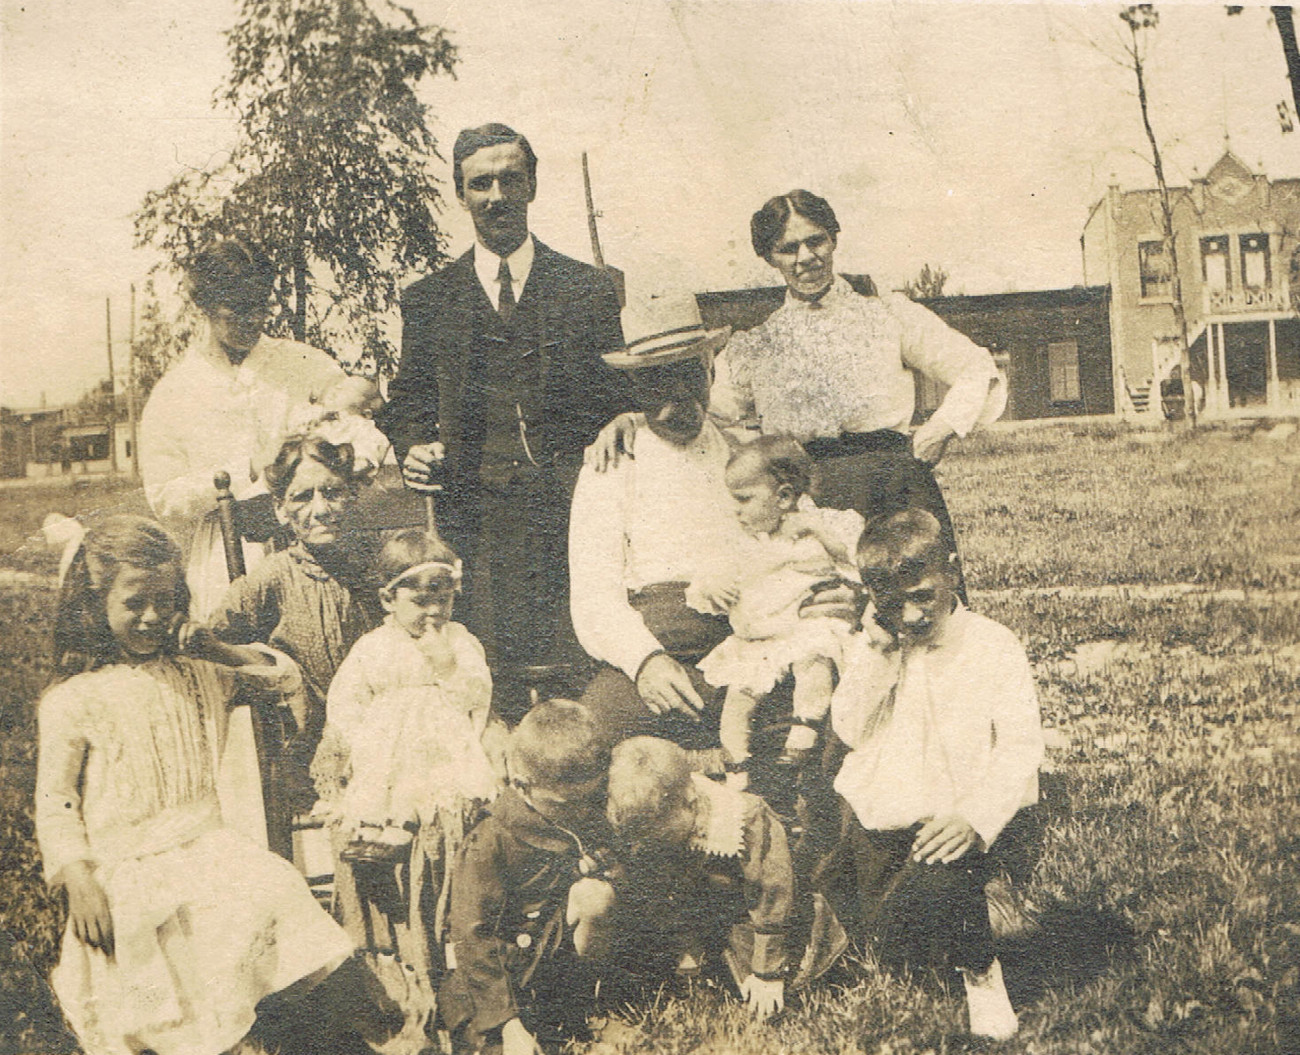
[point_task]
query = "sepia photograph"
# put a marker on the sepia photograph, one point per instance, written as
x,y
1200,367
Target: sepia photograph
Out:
x,y
614,527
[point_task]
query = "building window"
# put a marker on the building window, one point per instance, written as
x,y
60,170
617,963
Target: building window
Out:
x,y
1153,264
1214,262
1063,371
1256,272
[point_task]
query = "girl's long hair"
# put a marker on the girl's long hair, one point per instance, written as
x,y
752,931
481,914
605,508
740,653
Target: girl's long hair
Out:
x,y
82,638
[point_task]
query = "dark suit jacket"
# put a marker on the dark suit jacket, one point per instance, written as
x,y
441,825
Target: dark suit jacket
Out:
x,y
568,315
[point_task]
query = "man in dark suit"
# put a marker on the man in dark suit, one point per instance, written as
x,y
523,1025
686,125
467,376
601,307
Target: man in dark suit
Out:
x,y
500,388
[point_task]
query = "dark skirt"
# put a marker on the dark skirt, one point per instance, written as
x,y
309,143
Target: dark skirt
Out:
x,y
875,473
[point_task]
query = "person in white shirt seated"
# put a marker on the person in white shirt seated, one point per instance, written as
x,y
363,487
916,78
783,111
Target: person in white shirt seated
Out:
x,y
642,529
937,708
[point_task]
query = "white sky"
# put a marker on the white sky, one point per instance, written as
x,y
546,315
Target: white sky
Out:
x,y
974,136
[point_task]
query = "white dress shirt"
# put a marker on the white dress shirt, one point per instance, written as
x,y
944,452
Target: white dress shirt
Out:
x,y
487,265
661,517
952,728
844,363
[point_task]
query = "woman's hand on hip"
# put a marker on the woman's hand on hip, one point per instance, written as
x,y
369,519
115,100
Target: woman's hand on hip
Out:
x,y
930,440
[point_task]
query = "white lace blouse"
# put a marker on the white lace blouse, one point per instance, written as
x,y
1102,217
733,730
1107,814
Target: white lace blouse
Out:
x,y
845,363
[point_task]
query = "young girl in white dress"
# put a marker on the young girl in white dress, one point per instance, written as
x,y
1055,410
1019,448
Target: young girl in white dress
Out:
x,y
406,716
792,546
177,926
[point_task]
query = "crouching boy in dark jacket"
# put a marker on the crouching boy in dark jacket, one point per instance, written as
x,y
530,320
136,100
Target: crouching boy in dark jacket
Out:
x,y
529,905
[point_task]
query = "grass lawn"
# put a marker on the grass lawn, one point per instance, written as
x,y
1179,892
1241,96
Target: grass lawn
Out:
x,y
1169,883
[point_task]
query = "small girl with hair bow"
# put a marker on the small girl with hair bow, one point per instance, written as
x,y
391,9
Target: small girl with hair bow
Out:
x,y
406,716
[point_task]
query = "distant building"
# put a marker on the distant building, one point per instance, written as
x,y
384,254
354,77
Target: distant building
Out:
x,y
1053,346
49,442
1237,234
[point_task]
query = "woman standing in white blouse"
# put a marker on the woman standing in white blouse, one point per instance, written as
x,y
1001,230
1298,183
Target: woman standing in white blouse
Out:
x,y
227,404
834,366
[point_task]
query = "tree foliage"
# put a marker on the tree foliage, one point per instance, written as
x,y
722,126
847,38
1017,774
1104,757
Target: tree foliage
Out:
x,y
929,282
330,171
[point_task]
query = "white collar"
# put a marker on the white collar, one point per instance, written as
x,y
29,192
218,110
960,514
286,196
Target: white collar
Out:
x,y
838,288
487,265
719,818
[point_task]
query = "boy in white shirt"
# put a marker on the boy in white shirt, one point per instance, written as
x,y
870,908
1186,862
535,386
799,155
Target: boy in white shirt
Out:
x,y
939,713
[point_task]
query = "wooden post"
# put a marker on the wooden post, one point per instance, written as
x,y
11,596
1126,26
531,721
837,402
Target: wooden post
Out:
x,y
1274,382
615,275
1226,393
112,387
596,254
231,539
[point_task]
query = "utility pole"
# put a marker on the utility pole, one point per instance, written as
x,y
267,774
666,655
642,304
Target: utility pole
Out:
x,y
597,256
112,387
130,393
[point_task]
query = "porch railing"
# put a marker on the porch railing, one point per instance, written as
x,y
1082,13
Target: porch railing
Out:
x,y
1242,301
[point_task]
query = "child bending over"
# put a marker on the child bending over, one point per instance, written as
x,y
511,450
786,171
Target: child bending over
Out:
x,y
404,719
708,872
177,926
529,904
940,718
793,546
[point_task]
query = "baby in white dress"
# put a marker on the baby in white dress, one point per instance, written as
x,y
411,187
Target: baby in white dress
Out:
x,y
792,546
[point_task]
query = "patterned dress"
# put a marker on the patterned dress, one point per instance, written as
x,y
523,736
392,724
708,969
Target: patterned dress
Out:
x,y
205,923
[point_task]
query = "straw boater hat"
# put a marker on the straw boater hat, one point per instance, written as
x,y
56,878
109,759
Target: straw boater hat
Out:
x,y
664,329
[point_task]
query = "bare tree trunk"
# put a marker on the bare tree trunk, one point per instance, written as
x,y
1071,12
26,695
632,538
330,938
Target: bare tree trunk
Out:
x,y
301,279
1282,16
1167,233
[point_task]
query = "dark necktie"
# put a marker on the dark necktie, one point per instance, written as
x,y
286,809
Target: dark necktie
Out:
x,y
506,301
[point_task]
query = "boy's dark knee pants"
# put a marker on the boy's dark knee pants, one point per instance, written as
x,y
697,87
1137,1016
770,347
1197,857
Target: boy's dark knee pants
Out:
x,y
917,914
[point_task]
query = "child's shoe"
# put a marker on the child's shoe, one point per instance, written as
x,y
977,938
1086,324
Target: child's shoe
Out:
x,y
799,743
990,1010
